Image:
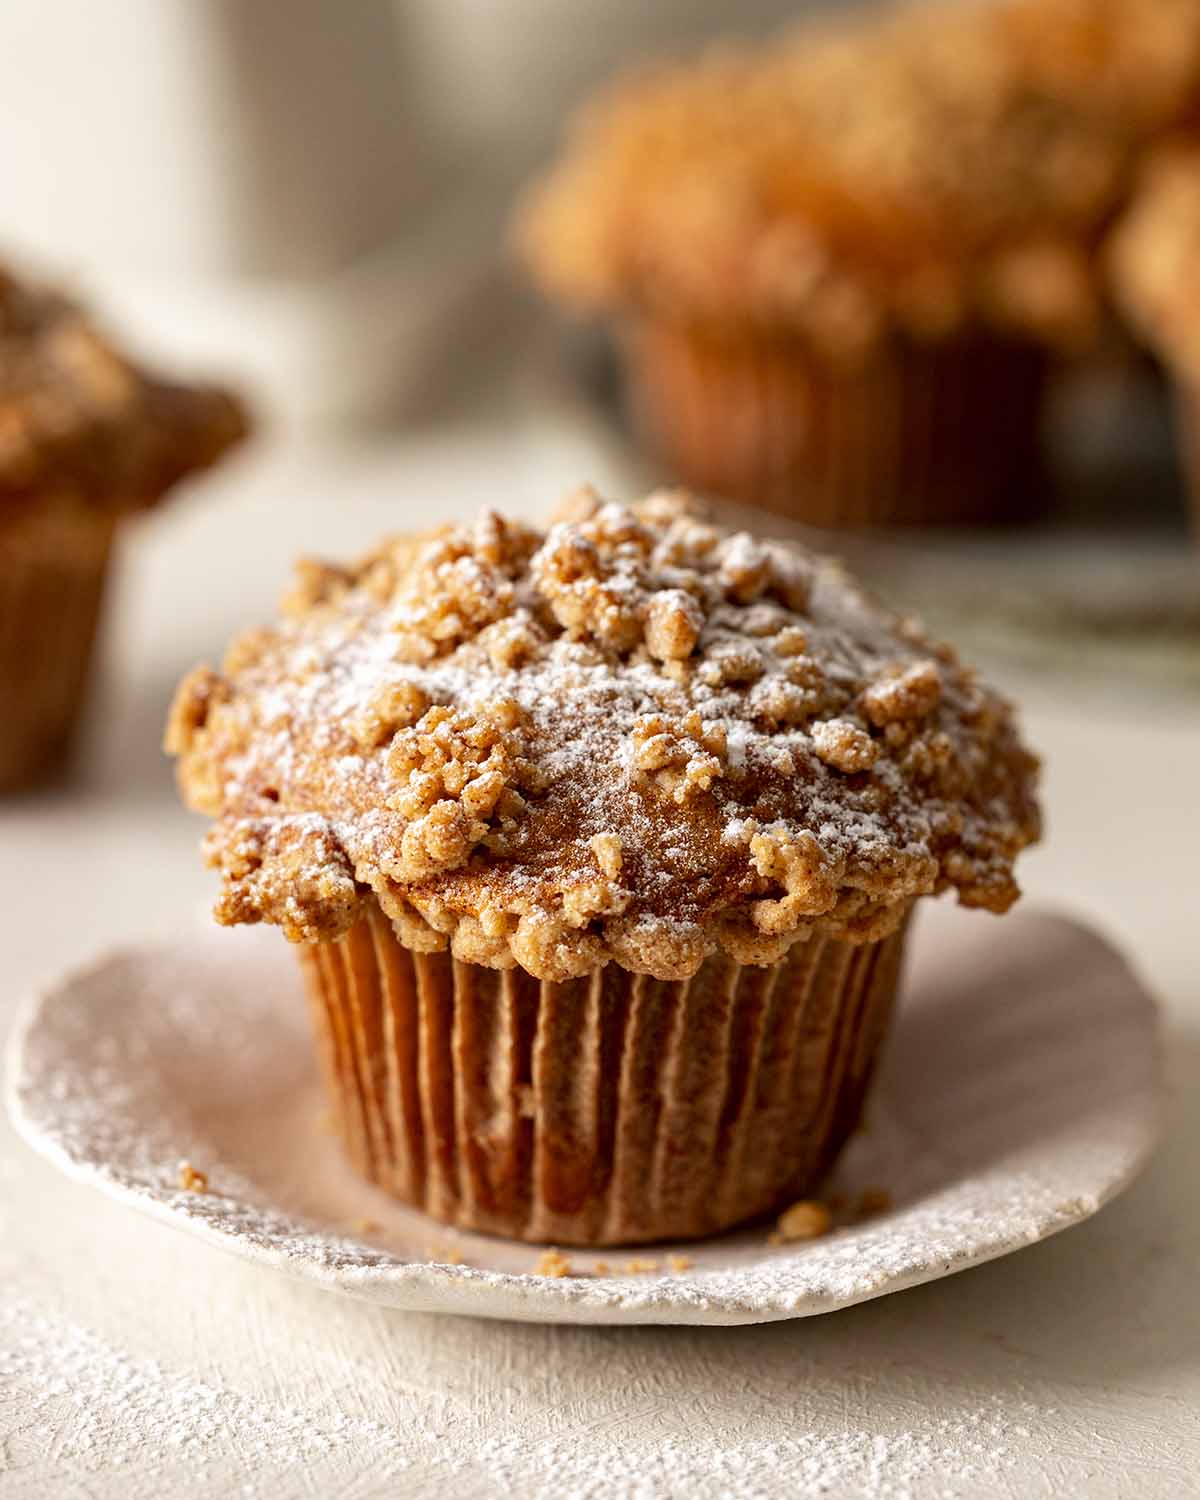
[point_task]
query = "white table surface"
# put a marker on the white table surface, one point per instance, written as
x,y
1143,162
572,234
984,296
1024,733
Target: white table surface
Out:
x,y
135,1362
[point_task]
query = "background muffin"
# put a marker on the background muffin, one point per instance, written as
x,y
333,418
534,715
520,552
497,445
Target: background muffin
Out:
x,y
840,267
600,843
1154,259
86,437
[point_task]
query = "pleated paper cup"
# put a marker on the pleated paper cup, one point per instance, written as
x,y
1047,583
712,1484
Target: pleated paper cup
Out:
x,y
612,1109
53,564
938,434
1187,427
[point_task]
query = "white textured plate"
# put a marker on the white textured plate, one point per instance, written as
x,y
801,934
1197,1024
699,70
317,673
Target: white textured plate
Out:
x,y
1017,1096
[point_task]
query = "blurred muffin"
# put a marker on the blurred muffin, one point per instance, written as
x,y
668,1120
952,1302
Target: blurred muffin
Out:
x,y
839,267
601,844
1135,61
86,437
1154,261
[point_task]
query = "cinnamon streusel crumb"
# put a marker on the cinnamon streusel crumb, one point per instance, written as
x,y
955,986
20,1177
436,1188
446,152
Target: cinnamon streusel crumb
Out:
x,y
807,1220
191,1179
551,1263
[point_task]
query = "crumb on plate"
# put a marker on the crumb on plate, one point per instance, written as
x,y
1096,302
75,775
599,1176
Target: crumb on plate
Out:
x,y
551,1263
192,1179
806,1220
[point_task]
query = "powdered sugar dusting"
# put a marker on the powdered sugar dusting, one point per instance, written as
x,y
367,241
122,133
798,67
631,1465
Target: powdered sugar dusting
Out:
x,y
90,1408
113,1411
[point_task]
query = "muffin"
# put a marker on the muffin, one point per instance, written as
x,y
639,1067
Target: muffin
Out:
x,y
1136,61
840,268
86,437
599,845
1154,261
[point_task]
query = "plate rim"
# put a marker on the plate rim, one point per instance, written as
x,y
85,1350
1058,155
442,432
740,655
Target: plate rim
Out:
x,y
471,1291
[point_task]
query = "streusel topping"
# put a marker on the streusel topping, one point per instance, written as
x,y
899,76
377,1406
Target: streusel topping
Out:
x,y
1136,61
1154,256
81,422
635,738
943,166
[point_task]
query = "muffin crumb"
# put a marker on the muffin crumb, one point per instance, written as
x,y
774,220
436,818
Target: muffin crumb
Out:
x,y
844,746
639,1266
607,849
806,1220
551,1263
679,1263
909,693
673,624
192,1179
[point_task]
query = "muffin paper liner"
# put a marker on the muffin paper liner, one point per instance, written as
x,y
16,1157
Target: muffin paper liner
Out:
x,y
1187,427
52,574
611,1109
947,433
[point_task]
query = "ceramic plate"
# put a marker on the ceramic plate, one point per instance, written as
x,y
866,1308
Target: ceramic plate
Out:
x,y
1018,1094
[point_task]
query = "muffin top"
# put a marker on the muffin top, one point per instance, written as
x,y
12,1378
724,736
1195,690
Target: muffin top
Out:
x,y
635,737
1135,60
940,167
1154,256
82,423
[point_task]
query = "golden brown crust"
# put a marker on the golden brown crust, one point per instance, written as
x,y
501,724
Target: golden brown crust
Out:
x,y
78,419
921,173
1154,253
496,734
